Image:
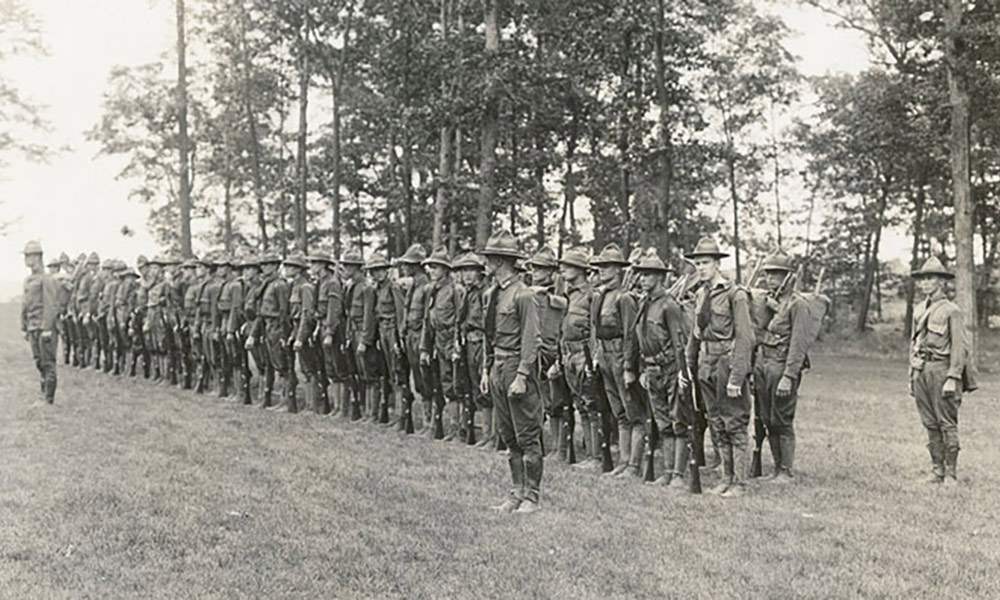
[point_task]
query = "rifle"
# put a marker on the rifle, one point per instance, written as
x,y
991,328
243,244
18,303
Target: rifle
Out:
x,y
597,381
694,461
432,375
652,439
461,365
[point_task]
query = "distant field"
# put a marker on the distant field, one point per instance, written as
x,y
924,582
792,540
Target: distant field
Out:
x,y
128,489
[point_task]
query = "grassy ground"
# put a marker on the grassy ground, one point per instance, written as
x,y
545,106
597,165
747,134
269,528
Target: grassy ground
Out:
x,y
128,489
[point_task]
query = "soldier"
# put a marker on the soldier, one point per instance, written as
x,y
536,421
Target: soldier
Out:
x,y
81,299
330,314
200,317
236,290
938,356
414,304
39,313
612,313
187,313
70,275
222,301
512,339
551,310
274,321
388,315
138,321
574,335
301,313
369,356
97,321
719,352
105,312
124,308
469,345
354,309
654,351
251,339
437,343
65,288
320,277
155,322
175,285
214,332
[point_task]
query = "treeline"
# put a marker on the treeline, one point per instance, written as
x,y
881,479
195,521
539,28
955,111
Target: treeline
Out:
x,y
377,123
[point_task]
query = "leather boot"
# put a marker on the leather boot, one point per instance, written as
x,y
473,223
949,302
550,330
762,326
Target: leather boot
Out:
x,y
774,441
291,391
532,479
741,468
454,424
935,446
636,454
565,439
681,457
667,456
951,467
517,475
717,458
625,446
727,471
787,454
320,403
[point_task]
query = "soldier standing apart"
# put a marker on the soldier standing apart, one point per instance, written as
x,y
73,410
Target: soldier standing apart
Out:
x,y
719,352
388,316
438,342
469,337
612,312
938,354
512,340
414,304
655,355
781,355
39,313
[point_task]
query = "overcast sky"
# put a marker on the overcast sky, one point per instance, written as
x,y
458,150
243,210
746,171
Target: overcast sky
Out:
x,y
74,202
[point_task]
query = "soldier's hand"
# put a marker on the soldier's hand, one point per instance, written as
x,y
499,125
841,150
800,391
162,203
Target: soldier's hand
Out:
x,y
250,344
425,358
328,341
47,335
297,346
230,337
362,348
682,380
784,387
519,387
630,377
949,389
553,372
484,383
734,391
644,380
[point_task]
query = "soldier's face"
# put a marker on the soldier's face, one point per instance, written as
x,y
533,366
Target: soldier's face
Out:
x,y
379,275
774,279
435,272
929,285
609,273
707,267
316,269
270,268
542,275
649,280
492,265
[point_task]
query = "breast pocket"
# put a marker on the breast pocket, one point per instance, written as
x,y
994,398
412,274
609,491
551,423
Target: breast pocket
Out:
x,y
507,321
937,331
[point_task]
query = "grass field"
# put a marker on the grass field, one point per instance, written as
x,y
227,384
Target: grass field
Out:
x,y
125,489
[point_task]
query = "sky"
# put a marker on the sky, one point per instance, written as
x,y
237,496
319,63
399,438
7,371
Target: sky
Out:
x,y
75,203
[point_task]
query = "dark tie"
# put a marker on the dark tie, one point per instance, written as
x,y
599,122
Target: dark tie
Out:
x,y
491,313
705,311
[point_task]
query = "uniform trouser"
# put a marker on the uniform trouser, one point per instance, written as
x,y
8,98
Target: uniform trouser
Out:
x,y
65,330
728,417
555,392
520,425
627,408
44,351
209,354
335,362
262,366
938,413
580,386
239,364
413,357
83,342
95,339
105,342
124,344
474,372
776,412
276,338
311,365
672,415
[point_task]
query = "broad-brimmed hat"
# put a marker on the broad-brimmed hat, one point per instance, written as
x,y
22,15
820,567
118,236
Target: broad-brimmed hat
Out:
x,y
352,257
777,261
377,261
438,257
502,243
651,262
931,268
93,259
707,246
269,258
296,260
469,260
576,257
318,257
141,261
414,255
544,258
610,255
190,263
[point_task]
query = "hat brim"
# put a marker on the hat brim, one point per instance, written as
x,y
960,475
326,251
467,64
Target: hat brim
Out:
x,y
922,274
543,265
570,263
377,266
603,262
436,261
505,253
653,269
716,255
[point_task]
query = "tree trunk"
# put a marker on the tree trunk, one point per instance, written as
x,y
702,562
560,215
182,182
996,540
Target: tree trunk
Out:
x,y
335,159
624,173
301,161
965,267
227,225
491,112
918,232
255,159
183,144
872,262
777,179
733,192
445,139
665,151
540,195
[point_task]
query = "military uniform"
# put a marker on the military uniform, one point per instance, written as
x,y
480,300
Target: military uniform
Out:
x,y
655,348
414,305
512,335
81,299
276,325
552,307
938,361
575,335
97,320
470,333
228,318
331,314
388,315
302,319
39,313
438,339
124,308
612,313
719,351
156,323
252,338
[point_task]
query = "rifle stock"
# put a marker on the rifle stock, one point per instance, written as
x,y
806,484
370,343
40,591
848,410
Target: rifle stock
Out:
x,y
696,451
597,380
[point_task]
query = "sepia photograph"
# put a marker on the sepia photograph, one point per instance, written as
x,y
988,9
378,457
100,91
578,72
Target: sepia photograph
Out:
x,y
482,299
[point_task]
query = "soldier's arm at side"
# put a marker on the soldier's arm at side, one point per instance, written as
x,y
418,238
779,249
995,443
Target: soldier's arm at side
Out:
x,y
959,340
796,347
50,303
369,328
743,341
531,337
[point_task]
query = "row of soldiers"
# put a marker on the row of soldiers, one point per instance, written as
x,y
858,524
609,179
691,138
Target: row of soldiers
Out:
x,y
608,350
